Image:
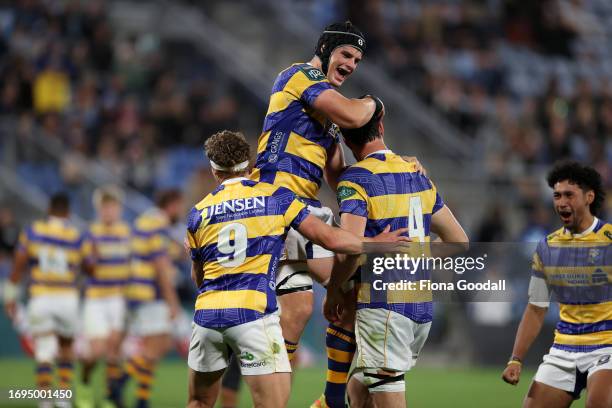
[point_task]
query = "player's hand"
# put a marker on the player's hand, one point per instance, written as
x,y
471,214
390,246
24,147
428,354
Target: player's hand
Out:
x,y
11,309
512,374
417,164
333,305
389,236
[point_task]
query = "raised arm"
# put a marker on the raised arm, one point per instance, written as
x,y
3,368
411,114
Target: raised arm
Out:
x,y
345,112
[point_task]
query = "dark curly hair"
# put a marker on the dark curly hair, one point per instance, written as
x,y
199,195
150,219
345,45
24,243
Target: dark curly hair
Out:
x,y
364,134
586,177
227,148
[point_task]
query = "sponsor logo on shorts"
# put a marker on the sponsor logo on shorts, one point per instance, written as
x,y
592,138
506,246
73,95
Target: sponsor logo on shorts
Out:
x,y
247,356
603,360
250,363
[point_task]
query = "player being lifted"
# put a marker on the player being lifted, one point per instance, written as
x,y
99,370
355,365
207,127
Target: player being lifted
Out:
x,y
572,264
151,296
104,305
236,236
379,191
299,147
55,252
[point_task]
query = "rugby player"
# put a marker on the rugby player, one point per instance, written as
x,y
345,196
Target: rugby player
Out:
x,y
573,265
55,251
104,304
391,327
299,146
236,235
151,296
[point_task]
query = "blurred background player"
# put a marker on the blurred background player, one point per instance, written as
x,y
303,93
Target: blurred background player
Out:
x,y
104,308
570,264
379,191
236,235
299,146
152,299
55,251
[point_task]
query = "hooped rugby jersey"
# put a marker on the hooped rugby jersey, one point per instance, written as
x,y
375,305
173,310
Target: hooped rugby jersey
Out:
x,y
237,232
150,241
292,149
56,249
577,269
387,190
112,268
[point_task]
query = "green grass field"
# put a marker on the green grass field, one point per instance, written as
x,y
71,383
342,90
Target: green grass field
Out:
x,y
426,387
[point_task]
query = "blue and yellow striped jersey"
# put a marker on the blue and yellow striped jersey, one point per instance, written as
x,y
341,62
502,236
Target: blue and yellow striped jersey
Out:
x,y
388,191
237,232
292,149
578,273
112,269
150,240
56,249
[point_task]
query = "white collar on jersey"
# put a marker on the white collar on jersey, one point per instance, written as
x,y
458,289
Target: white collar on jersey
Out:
x,y
383,151
233,180
586,231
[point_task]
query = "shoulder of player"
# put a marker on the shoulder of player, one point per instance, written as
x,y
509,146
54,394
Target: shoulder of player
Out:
x,y
605,230
356,172
553,236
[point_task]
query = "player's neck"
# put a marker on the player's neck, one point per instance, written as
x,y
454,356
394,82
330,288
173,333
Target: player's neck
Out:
x,y
372,147
316,62
586,223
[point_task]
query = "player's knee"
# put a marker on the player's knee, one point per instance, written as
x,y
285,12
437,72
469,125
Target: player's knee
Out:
x,y
45,348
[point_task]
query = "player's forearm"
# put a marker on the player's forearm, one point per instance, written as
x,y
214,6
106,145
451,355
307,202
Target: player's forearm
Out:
x,y
528,330
20,262
343,269
197,273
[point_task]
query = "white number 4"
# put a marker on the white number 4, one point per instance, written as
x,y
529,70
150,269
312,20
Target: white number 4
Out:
x,y
415,219
234,254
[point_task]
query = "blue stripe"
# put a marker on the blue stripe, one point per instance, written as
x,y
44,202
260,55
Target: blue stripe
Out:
x,y
581,348
338,366
150,256
575,255
284,77
53,284
355,207
221,318
33,237
143,281
149,233
294,119
341,330
268,245
583,328
538,274
310,94
194,219
375,227
581,294
239,281
386,183
110,238
113,261
421,312
107,282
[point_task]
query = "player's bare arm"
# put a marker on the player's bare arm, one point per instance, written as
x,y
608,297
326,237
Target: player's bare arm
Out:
x,y
197,273
11,287
445,225
528,330
345,112
334,166
341,241
165,274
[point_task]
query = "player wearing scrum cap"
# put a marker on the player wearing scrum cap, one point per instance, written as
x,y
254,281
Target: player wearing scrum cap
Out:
x,y
236,236
299,147
104,304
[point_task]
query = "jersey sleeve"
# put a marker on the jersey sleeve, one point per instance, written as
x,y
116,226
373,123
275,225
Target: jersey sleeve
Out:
x,y
307,84
438,203
352,197
293,209
194,220
158,243
539,292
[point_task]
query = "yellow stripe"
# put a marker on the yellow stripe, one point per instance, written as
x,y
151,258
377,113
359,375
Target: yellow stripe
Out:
x,y
56,230
144,378
300,186
46,378
112,272
585,313
140,291
293,210
221,299
253,264
143,269
363,293
397,205
104,291
336,377
38,290
394,164
256,227
306,149
143,394
262,142
66,277
279,101
341,336
145,246
339,355
298,83
603,337
408,296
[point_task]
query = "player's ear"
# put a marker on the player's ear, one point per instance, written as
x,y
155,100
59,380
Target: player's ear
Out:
x,y
381,128
590,197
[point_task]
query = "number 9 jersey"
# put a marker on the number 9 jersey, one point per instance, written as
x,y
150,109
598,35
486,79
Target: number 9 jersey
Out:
x,y
237,233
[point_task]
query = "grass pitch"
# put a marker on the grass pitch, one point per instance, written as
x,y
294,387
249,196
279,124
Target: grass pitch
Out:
x,y
426,387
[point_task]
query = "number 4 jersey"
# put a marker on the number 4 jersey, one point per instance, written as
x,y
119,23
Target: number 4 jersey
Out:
x,y
56,249
237,234
387,190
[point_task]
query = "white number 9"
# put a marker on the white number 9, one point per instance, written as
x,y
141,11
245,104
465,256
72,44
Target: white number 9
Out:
x,y
234,255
